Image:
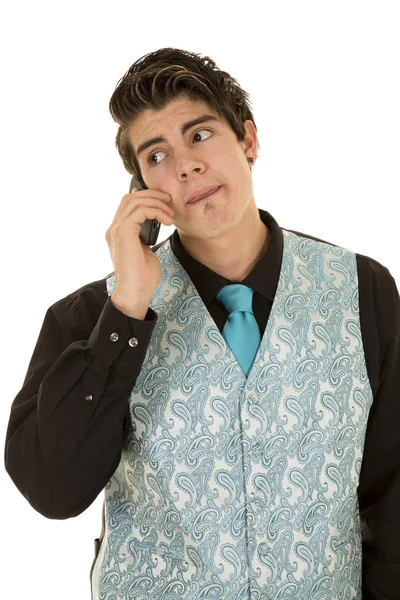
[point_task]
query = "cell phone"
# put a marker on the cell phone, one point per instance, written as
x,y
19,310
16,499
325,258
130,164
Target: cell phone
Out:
x,y
150,229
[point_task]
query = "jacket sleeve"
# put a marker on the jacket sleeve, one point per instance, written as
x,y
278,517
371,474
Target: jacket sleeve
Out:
x,y
379,487
66,424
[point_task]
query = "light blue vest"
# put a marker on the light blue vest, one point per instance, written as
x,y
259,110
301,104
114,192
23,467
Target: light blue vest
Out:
x,y
236,488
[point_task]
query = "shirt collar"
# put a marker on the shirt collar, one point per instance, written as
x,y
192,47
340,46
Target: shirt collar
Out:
x,y
263,278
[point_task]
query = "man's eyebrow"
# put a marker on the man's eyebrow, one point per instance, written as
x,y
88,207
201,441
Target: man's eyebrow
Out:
x,y
184,129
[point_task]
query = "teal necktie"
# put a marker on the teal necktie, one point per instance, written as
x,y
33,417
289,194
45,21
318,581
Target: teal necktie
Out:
x,y
241,329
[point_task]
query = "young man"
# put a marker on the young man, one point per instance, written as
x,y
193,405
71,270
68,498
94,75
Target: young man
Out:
x,y
233,390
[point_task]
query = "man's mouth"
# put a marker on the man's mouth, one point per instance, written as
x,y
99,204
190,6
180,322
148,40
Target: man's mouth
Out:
x,y
205,196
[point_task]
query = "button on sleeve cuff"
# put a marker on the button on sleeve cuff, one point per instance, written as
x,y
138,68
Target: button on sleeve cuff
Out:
x,y
120,340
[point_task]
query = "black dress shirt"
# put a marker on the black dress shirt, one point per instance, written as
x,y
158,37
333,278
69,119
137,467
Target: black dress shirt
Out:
x,y
67,422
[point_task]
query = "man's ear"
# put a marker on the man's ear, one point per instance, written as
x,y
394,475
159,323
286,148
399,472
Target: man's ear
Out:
x,y
249,143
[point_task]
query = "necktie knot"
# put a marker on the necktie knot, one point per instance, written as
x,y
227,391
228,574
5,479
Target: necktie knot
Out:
x,y
236,296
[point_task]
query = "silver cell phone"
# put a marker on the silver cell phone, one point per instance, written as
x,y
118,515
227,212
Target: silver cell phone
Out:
x,y
150,229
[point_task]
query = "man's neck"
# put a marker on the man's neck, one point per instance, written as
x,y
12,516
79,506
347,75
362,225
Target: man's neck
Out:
x,y
241,259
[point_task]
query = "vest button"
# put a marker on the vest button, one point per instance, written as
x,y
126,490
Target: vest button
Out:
x,y
89,397
133,342
263,547
114,337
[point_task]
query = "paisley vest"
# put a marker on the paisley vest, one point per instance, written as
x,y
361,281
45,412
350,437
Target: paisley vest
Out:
x,y
232,487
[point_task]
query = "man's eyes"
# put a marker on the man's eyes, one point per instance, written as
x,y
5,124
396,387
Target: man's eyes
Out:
x,y
153,164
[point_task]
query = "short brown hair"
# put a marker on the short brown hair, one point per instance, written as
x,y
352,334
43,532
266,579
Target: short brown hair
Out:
x,y
158,77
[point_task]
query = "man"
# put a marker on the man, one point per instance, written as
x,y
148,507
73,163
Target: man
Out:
x,y
234,390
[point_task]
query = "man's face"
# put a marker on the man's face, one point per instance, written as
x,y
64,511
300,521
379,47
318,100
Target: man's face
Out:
x,y
206,154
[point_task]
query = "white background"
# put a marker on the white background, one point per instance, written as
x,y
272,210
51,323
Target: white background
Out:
x,y
324,84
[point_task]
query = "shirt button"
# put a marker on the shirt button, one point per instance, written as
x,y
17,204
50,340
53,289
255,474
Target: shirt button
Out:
x,y
133,342
114,337
89,397
263,547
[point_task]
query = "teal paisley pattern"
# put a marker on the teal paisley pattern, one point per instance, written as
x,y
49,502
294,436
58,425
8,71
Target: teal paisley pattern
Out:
x,y
244,488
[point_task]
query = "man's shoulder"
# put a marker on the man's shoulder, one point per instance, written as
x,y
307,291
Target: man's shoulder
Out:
x,y
365,263
90,296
